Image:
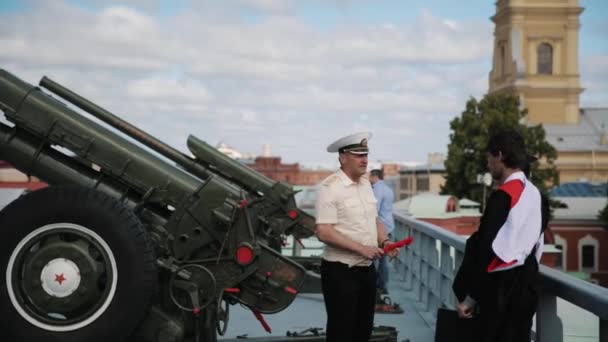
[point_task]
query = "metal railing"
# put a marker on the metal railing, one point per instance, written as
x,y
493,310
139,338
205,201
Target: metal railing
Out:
x,y
430,264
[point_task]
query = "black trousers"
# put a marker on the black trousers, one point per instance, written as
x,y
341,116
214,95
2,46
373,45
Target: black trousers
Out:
x,y
509,304
350,298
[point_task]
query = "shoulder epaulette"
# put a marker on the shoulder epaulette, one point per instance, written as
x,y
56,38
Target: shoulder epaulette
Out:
x,y
330,180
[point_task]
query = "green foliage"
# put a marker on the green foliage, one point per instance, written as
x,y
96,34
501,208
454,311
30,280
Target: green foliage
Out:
x,y
469,137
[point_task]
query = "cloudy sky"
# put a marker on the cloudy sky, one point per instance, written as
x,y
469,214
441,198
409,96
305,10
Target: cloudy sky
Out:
x,y
292,74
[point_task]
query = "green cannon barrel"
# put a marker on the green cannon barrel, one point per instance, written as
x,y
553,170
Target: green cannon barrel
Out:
x,y
20,148
209,160
125,127
220,163
56,124
281,194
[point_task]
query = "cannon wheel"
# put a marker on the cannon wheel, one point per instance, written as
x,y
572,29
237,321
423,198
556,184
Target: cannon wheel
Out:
x,y
78,266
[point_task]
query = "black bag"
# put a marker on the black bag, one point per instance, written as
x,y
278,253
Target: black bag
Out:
x,y
451,328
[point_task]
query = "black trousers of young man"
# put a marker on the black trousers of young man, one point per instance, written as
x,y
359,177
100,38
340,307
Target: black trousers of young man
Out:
x,y
509,304
350,299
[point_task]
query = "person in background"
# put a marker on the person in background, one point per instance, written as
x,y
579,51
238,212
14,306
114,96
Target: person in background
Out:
x,y
384,197
354,236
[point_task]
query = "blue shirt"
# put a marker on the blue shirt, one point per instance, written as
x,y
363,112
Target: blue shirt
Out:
x,y
384,196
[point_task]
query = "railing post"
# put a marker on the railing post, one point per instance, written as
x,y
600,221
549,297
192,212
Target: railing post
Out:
x,y
549,326
296,248
458,256
603,330
411,265
434,276
446,271
424,269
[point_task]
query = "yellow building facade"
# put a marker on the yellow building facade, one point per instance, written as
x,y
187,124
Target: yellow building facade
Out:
x,y
536,57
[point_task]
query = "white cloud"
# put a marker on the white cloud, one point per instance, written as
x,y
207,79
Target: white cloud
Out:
x,y
168,90
272,77
594,74
271,6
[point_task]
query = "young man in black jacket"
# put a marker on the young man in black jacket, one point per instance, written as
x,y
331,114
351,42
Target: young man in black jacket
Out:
x,y
498,278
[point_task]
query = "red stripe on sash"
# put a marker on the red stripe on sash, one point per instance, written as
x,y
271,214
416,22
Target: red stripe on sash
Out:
x,y
514,189
498,263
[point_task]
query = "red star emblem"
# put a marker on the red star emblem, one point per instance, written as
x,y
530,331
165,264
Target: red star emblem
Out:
x,y
59,278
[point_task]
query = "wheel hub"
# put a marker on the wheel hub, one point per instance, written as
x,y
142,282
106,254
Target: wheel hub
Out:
x,y
60,277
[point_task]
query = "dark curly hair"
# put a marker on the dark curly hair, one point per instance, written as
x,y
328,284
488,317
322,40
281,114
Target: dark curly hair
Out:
x,y
512,146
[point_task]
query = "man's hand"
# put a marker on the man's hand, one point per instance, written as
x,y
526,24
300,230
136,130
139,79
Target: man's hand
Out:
x,y
464,310
371,252
393,254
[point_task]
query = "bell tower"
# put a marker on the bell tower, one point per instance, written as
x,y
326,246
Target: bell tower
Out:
x,y
536,57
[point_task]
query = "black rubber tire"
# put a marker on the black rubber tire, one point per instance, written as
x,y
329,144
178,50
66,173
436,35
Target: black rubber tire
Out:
x,y
117,225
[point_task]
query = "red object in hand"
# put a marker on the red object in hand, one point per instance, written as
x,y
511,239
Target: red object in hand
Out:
x,y
398,244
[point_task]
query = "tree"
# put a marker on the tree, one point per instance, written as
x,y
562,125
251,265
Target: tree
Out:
x,y
469,138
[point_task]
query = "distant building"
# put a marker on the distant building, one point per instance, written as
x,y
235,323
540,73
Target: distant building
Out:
x,y
577,231
536,58
442,210
582,147
391,169
234,153
428,177
273,168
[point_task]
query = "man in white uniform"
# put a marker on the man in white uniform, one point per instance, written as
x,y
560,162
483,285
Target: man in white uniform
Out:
x,y
347,223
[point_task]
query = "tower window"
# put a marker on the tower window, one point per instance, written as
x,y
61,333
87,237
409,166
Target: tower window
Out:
x,y
503,61
545,59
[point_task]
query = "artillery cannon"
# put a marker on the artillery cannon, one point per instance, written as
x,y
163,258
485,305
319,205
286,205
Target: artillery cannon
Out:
x,y
133,239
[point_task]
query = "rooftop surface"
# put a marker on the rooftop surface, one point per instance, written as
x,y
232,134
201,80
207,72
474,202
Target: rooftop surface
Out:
x,y
580,189
584,136
308,311
414,324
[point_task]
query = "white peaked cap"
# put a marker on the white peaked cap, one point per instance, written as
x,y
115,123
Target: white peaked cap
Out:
x,y
354,143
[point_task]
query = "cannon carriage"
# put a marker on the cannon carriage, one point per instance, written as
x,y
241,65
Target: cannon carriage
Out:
x,y
133,239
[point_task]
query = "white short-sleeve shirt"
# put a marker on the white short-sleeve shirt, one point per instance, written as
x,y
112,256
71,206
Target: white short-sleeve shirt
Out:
x,y
351,208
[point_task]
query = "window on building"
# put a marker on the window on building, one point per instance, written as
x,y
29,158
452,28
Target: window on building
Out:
x,y
588,255
503,61
405,183
545,59
422,184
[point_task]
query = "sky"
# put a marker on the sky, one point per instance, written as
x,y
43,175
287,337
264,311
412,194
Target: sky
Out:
x,y
294,74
